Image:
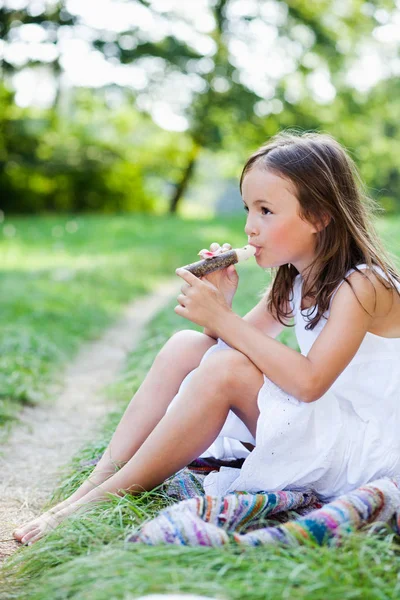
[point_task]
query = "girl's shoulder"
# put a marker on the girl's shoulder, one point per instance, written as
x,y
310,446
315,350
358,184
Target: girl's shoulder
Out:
x,y
368,280
377,296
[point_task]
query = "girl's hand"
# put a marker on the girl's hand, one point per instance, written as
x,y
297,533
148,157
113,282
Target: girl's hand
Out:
x,y
225,280
200,301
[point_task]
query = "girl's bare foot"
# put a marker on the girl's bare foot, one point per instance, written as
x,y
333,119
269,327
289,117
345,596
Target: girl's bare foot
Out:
x,y
22,534
36,529
43,524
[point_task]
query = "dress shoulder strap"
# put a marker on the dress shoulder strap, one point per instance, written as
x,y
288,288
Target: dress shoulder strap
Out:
x,y
362,266
349,272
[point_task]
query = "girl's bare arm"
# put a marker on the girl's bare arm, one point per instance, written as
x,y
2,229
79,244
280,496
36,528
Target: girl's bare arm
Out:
x,y
307,378
263,320
260,318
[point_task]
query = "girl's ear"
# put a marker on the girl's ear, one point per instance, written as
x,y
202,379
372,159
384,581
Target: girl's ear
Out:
x,y
321,223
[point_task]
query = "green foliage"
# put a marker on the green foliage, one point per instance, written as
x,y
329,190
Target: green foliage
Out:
x,y
372,135
64,160
47,164
50,14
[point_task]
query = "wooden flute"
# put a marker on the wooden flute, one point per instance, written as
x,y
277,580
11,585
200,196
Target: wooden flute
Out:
x,y
220,261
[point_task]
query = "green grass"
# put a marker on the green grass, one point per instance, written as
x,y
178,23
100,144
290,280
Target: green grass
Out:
x,y
87,556
364,567
64,280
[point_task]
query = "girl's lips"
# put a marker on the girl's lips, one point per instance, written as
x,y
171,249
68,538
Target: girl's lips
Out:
x,y
258,250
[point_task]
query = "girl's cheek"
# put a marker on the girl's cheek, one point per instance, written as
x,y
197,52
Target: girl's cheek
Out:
x,y
280,236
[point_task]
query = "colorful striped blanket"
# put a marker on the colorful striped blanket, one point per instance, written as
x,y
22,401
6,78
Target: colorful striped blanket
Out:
x,y
264,518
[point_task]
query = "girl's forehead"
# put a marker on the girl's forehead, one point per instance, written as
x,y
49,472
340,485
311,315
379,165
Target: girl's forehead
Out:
x,y
266,185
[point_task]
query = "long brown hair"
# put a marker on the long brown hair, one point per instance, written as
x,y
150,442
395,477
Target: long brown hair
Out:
x,y
328,185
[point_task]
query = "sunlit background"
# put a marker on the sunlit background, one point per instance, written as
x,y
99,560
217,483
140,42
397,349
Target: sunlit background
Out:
x,y
153,105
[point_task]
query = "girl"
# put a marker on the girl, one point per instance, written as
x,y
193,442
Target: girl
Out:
x,y
325,419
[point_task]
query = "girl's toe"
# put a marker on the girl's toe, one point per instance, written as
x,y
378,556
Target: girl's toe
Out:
x,y
21,531
28,537
35,538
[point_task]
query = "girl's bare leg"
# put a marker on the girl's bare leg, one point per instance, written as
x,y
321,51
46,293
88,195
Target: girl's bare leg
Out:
x,y
225,381
181,354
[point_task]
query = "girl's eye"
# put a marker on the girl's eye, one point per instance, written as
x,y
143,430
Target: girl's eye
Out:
x,y
264,210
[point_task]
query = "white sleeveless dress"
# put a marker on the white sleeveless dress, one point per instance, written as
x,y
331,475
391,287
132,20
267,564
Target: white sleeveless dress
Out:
x,y
347,438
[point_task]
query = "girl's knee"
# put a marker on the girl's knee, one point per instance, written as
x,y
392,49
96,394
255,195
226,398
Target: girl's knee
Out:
x,y
185,343
231,367
187,338
231,359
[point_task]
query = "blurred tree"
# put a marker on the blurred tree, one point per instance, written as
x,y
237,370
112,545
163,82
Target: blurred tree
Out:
x,y
317,38
47,19
372,133
302,55
90,164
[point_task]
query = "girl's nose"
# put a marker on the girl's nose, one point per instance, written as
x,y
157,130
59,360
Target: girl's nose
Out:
x,y
250,228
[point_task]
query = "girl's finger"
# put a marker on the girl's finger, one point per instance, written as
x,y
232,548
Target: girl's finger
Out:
x,y
187,276
185,288
181,299
214,247
226,247
206,254
232,274
179,310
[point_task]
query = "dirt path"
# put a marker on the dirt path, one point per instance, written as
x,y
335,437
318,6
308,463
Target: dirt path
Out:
x,y
48,436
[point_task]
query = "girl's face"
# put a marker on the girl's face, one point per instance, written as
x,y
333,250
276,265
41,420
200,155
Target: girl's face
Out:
x,y
273,224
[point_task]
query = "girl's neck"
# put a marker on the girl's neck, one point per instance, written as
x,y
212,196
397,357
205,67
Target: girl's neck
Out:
x,y
307,275
305,266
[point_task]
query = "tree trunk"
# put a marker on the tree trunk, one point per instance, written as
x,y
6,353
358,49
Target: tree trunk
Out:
x,y
183,184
